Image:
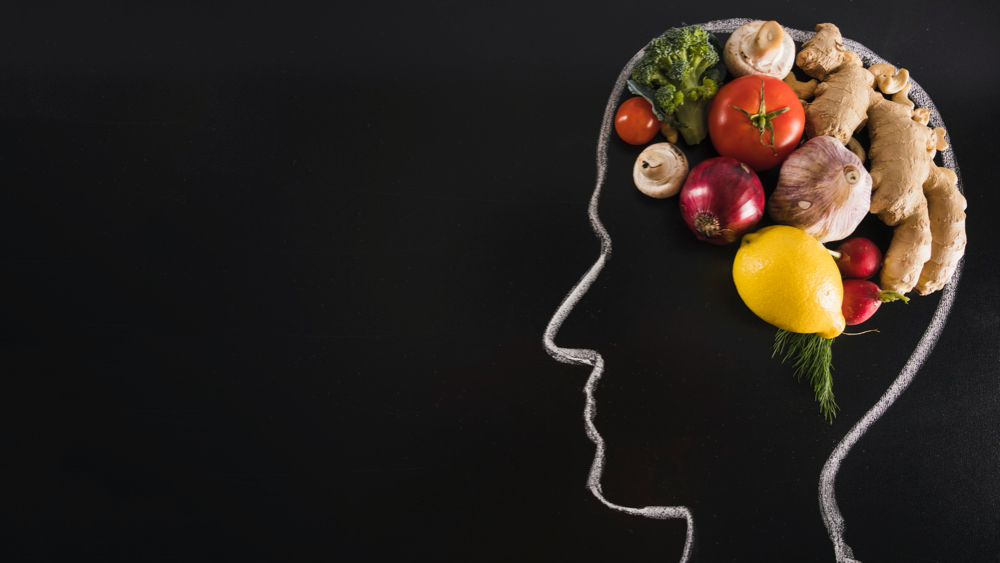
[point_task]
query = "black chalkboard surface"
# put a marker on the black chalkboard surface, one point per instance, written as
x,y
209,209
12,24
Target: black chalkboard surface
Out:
x,y
280,280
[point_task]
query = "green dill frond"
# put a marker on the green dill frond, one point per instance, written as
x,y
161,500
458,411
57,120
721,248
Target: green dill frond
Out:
x,y
813,357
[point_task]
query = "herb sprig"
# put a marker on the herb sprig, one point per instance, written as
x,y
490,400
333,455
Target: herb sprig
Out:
x,y
813,356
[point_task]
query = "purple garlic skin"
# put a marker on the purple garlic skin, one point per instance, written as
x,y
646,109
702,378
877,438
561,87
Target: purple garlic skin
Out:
x,y
823,189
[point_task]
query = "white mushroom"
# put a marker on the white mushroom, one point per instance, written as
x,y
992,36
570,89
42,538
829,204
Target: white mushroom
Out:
x,y
759,47
660,170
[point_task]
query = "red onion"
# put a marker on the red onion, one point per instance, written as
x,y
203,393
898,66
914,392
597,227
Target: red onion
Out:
x,y
722,200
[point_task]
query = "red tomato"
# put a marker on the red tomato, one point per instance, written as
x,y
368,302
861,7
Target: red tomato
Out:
x,y
746,136
635,121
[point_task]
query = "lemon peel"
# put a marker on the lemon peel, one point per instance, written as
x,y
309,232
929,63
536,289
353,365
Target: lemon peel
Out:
x,y
789,279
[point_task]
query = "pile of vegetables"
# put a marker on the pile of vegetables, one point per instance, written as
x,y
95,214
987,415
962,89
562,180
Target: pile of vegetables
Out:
x,y
763,119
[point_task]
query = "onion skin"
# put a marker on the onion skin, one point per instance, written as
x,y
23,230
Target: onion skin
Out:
x,y
721,200
823,189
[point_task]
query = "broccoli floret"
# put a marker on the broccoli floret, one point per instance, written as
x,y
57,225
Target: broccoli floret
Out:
x,y
704,92
679,63
668,98
648,75
679,69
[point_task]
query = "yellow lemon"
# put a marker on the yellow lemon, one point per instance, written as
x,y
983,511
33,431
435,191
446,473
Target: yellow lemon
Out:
x,y
790,280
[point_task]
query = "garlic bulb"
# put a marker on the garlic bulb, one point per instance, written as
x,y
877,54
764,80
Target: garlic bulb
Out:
x,y
823,189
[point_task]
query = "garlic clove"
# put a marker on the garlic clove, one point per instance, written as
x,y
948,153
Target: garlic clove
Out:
x,y
823,189
660,170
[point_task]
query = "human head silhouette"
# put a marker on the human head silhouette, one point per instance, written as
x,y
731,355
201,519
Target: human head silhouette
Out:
x,y
690,367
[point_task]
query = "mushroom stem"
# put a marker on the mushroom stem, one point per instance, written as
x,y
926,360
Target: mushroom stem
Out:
x,y
653,167
759,47
768,37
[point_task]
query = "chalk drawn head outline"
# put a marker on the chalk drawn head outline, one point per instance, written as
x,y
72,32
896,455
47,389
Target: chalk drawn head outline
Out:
x,y
829,510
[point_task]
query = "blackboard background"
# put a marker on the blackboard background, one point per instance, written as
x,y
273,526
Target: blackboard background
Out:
x,y
276,278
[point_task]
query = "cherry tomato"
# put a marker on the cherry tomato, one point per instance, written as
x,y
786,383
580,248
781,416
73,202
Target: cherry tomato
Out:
x,y
747,120
635,121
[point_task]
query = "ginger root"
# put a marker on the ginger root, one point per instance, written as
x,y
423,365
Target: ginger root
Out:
x,y
920,199
804,90
854,146
900,153
822,54
946,208
841,100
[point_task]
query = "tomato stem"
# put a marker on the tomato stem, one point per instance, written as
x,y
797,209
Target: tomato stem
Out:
x,y
762,119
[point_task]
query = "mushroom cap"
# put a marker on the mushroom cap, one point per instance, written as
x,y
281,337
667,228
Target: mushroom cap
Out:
x,y
672,169
741,63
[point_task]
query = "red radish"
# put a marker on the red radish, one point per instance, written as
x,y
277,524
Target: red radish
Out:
x,y
721,200
858,258
862,298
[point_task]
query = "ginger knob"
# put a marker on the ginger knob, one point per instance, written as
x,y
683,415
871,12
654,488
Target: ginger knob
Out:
x,y
941,143
889,80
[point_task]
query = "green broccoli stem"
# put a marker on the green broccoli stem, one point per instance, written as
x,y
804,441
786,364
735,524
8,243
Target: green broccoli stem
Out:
x,y
691,116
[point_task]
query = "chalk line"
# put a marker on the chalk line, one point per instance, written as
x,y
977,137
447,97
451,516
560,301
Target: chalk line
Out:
x,y
591,357
829,510
832,519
